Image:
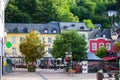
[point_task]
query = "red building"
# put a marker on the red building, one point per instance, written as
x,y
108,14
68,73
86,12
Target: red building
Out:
x,y
95,44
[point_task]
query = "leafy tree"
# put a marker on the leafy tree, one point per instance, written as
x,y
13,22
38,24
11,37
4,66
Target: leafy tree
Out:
x,y
89,23
116,47
101,52
69,41
63,10
32,48
13,14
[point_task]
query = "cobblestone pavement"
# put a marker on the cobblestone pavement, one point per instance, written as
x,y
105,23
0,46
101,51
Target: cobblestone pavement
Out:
x,y
59,74
47,74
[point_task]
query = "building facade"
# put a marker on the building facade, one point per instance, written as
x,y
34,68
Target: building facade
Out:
x,y
100,38
17,32
97,43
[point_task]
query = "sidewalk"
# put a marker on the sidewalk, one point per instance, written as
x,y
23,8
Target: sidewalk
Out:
x,y
21,74
47,74
59,74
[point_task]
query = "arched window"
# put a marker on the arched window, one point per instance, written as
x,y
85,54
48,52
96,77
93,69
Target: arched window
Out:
x,y
16,30
54,30
46,30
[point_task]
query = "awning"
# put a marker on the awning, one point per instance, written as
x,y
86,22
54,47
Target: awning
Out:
x,y
109,58
92,56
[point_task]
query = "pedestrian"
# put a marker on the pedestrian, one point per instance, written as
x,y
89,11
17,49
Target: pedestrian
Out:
x,y
55,66
100,75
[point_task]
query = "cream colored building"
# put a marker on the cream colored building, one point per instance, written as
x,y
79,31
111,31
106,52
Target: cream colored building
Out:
x,y
17,32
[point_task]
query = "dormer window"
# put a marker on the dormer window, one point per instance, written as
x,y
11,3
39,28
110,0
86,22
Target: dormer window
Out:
x,y
25,30
72,25
16,30
104,35
82,27
45,30
54,31
64,27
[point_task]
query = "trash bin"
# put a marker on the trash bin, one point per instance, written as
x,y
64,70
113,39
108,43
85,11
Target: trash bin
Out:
x,y
99,75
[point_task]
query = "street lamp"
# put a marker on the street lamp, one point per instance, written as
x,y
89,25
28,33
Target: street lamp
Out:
x,y
114,36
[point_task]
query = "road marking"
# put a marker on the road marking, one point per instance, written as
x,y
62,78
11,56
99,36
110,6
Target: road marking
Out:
x,y
43,77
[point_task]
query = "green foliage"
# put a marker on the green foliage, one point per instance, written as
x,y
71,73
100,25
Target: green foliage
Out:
x,y
32,48
101,52
89,24
116,47
44,11
13,14
69,41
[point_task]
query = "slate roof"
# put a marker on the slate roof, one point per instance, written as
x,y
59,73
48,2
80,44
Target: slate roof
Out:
x,y
73,26
98,25
27,27
100,33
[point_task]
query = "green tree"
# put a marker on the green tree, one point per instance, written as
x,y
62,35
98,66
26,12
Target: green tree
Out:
x,y
32,48
13,15
69,41
101,52
89,24
116,47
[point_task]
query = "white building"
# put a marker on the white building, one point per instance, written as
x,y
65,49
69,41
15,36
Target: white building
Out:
x,y
3,4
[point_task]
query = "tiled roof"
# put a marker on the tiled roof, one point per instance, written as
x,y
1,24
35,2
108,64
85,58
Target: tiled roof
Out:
x,y
100,33
27,27
73,26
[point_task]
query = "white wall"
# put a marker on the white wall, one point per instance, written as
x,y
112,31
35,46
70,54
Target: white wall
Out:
x,y
2,5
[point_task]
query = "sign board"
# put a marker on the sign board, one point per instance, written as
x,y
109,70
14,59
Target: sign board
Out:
x,y
8,44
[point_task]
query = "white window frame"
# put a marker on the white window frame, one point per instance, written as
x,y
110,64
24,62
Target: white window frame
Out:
x,y
21,39
42,39
100,45
54,31
48,50
14,51
13,40
49,40
94,44
45,31
108,47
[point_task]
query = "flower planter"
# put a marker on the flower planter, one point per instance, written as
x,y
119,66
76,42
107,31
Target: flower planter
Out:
x,y
32,68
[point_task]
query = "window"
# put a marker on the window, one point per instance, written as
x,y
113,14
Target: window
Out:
x,y
14,51
25,30
49,50
45,30
108,46
16,30
100,45
64,27
84,36
21,39
54,31
94,46
42,39
82,27
13,39
72,25
49,40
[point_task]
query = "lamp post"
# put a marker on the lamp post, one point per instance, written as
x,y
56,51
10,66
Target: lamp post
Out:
x,y
114,38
